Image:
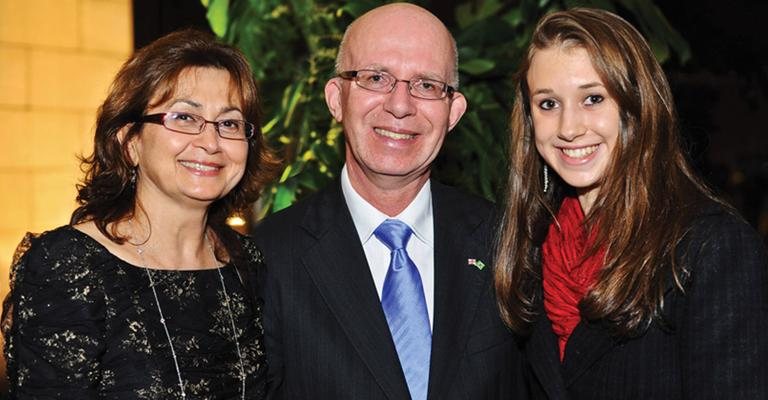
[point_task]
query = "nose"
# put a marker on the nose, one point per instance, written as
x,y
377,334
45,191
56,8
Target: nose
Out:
x,y
571,123
209,138
399,101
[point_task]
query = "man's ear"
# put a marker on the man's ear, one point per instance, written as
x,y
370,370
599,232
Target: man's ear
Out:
x,y
333,98
458,108
133,154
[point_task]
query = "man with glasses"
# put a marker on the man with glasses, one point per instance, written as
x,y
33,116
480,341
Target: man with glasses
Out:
x,y
379,287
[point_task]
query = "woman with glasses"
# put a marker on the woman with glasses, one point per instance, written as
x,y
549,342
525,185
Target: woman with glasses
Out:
x,y
147,294
626,276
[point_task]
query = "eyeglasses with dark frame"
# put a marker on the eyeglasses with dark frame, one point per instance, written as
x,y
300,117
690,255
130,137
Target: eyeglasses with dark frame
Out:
x,y
384,82
191,124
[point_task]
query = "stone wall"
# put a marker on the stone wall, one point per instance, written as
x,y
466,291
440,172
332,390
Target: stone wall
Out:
x,y
57,59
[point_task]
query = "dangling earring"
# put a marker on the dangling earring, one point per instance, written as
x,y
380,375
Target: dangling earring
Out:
x,y
133,176
546,178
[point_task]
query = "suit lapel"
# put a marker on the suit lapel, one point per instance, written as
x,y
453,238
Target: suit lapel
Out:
x,y
542,353
458,286
338,267
587,343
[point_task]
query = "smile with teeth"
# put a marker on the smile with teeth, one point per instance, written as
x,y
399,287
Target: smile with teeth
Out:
x,y
393,135
198,166
580,152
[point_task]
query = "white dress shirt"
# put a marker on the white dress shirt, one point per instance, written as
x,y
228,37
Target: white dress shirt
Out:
x,y
421,246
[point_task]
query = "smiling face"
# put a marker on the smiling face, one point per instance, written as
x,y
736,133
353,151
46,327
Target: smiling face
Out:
x,y
575,120
392,138
191,170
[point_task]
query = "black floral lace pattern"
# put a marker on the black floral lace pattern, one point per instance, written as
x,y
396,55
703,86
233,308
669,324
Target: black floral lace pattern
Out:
x,y
81,323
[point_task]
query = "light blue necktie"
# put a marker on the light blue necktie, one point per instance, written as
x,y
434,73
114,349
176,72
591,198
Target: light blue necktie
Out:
x,y
406,309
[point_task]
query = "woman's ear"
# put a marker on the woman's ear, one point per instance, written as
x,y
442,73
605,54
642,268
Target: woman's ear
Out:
x,y
130,147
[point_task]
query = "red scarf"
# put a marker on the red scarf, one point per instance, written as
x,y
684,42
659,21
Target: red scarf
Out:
x,y
567,275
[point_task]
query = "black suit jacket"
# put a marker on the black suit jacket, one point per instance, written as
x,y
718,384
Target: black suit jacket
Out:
x,y
713,345
326,333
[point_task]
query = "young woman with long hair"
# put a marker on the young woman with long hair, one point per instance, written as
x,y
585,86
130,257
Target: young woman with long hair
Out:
x,y
625,275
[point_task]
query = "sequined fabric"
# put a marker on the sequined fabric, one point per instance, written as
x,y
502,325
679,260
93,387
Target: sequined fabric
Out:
x,y
81,323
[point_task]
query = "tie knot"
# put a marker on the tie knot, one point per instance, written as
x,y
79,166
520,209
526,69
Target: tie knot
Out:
x,y
393,233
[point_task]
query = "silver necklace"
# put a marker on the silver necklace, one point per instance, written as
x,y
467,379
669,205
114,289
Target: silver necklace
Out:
x,y
140,251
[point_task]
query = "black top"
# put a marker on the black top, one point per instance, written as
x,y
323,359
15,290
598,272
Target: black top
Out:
x,y
82,323
710,344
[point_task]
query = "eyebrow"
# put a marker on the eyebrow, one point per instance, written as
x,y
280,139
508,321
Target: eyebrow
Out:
x,y
186,101
591,85
581,87
198,105
424,75
542,91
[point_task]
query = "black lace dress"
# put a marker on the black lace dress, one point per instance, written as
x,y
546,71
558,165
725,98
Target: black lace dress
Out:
x,y
81,323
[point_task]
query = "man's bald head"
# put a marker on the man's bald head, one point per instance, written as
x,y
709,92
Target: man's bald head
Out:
x,y
409,22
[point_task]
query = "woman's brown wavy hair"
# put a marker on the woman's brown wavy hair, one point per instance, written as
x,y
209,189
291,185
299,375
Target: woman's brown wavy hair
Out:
x,y
106,194
646,199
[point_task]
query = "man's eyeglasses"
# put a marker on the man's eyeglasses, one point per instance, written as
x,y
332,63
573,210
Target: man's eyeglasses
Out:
x,y
384,82
192,124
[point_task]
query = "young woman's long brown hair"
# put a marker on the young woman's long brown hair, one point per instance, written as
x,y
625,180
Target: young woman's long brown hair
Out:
x,y
647,197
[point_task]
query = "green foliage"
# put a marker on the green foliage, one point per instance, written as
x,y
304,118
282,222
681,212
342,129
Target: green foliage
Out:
x,y
292,48
217,15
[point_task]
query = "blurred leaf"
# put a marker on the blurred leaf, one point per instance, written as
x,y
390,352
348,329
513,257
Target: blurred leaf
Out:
x,y
660,50
293,100
514,18
471,12
284,197
217,15
269,125
286,173
477,66
358,8
464,15
657,30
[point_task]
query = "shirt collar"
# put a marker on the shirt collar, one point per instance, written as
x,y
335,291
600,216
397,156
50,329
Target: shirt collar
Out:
x,y
418,214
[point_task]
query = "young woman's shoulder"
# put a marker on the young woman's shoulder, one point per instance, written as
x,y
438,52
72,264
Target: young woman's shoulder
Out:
x,y
720,243
718,223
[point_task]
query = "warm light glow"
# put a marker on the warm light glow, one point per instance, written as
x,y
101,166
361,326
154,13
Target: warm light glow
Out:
x,y
236,221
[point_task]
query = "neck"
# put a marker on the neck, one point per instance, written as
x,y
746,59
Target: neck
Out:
x,y
389,194
172,240
587,199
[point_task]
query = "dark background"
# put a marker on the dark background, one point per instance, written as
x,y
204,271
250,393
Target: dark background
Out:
x,y
722,97
721,93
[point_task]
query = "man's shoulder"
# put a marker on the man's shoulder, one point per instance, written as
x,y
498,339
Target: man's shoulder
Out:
x,y
442,189
314,211
459,201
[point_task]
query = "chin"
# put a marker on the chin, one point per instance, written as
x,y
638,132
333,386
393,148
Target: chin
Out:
x,y
206,197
